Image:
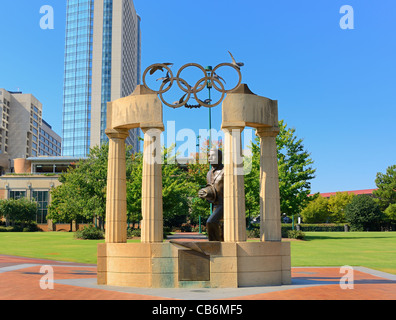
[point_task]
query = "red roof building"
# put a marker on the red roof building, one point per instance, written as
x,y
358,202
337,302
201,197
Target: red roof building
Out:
x,y
357,192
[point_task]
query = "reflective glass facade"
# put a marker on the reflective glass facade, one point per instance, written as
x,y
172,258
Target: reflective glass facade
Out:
x,y
98,68
106,64
77,78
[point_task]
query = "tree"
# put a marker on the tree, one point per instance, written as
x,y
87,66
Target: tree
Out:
x,y
363,213
18,211
134,188
390,212
337,204
295,172
252,182
196,179
175,190
67,201
82,194
316,211
386,192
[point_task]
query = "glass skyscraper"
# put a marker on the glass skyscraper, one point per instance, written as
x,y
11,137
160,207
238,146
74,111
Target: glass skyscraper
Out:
x,y
102,64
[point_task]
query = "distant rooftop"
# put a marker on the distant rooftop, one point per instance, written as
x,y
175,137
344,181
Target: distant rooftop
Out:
x,y
357,192
47,124
56,158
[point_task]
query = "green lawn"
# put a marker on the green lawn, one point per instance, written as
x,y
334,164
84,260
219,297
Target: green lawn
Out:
x,y
49,245
376,250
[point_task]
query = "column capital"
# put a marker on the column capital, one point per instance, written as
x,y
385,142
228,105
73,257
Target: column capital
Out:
x,y
267,132
159,128
117,133
233,127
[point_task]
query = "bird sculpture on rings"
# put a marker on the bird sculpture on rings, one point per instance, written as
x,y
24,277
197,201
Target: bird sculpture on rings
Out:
x,y
236,64
159,67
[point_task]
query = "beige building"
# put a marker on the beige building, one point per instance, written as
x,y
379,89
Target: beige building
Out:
x,y
23,132
34,177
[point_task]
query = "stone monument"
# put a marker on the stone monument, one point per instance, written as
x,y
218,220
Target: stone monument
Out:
x,y
154,263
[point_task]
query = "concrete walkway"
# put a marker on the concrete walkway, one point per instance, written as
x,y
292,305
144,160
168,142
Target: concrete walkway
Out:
x,y
26,279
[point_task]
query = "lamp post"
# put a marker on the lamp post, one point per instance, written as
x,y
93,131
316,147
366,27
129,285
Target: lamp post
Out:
x,y
209,85
198,139
208,70
293,221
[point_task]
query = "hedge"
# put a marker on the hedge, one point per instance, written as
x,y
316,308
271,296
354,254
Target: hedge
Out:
x,y
305,227
326,227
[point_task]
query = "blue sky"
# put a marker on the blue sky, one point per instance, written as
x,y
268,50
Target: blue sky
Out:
x,y
336,87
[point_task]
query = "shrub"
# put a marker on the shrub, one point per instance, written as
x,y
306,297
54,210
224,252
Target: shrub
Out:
x,y
196,228
132,233
186,227
29,227
89,233
167,231
7,229
253,233
296,234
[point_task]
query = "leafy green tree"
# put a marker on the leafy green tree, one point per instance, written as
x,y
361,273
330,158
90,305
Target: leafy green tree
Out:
x,y
19,211
67,201
295,172
386,192
134,188
363,213
252,182
390,212
175,190
196,179
316,211
82,194
337,204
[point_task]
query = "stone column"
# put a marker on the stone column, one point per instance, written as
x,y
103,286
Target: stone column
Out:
x,y
270,227
152,223
234,188
116,209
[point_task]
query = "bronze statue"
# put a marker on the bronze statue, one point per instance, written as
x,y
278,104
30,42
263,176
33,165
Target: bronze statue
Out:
x,y
213,193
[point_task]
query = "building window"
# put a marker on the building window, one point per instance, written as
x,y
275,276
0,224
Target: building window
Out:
x,y
41,197
17,195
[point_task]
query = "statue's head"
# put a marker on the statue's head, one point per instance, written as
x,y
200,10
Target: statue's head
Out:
x,y
215,157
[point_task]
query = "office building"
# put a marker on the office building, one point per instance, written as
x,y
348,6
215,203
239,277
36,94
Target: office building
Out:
x,y
50,142
102,64
23,132
34,178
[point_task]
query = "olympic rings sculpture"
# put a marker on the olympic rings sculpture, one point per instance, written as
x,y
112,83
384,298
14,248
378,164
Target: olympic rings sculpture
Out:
x,y
209,76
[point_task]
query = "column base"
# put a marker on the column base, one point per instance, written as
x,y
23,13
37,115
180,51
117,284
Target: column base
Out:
x,y
194,264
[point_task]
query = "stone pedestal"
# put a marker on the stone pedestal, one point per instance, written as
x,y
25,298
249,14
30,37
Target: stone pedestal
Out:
x,y
222,265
